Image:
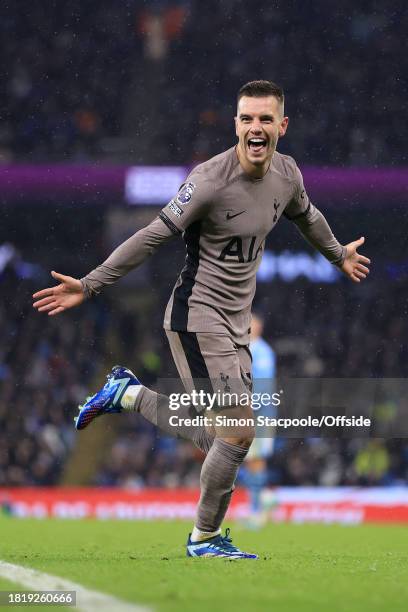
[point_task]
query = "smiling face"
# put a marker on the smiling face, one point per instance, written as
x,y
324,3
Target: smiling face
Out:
x,y
259,124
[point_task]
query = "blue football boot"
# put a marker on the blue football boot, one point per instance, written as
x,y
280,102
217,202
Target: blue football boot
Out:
x,y
107,400
217,546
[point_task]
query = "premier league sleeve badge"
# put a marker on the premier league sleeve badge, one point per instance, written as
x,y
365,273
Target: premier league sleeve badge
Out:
x,y
185,193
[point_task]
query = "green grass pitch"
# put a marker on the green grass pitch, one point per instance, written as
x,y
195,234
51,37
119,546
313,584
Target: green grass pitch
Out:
x,y
301,567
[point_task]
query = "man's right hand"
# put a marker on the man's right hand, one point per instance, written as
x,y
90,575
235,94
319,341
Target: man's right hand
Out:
x,y
67,294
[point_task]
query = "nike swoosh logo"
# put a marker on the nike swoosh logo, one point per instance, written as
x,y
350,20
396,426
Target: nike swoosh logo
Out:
x,y
229,216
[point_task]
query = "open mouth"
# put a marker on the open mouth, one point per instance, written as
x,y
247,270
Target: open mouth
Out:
x,y
257,145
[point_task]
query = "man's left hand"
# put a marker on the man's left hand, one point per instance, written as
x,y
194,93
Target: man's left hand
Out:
x,y
353,264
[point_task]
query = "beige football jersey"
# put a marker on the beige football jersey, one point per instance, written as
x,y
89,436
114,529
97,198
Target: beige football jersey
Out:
x,y
224,216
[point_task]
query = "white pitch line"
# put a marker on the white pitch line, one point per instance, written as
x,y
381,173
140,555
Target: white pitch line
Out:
x,y
86,600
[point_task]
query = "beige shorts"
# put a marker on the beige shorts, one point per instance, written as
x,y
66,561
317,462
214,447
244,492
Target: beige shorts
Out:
x,y
212,362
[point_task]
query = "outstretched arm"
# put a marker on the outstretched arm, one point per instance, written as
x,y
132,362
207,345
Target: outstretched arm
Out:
x,y
189,205
130,254
316,230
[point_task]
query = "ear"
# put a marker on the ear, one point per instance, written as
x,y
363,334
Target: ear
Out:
x,y
283,126
236,126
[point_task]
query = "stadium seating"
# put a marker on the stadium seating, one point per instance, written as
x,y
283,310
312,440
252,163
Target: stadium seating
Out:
x,y
76,72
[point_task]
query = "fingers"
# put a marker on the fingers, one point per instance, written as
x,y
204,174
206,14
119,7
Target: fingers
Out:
x,y
50,290
351,249
359,272
59,276
362,268
44,292
49,306
356,272
43,302
363,259
56,311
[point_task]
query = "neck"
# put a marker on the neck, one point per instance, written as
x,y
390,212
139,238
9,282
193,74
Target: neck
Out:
x,y
252,170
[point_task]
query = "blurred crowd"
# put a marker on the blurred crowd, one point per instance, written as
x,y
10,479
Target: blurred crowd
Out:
x,y
73,74
138,458
340,66
48,366
45,368
64,79
338,330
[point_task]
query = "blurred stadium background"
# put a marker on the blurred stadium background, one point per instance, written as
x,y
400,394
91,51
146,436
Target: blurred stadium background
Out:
x,y
104,107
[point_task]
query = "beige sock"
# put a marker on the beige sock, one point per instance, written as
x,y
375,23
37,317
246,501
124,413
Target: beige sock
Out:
x,y
198,535
217,479
129,397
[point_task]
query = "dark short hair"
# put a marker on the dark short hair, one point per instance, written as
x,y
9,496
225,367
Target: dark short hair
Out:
x,y
259,89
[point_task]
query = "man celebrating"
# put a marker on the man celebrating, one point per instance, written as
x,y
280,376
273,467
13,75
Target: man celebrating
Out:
x,y
224,210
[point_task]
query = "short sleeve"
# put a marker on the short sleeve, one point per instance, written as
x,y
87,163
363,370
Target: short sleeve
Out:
x,y
190,204
300,203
